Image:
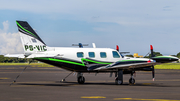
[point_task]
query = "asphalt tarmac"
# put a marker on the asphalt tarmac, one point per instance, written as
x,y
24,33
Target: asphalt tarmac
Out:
x,y
43,84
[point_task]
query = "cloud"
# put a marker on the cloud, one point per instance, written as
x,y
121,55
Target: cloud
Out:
x,y
9,42
123,22
6,25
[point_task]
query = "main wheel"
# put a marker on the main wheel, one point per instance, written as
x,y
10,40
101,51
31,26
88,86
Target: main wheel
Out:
x,y
131,81
118,82
81,80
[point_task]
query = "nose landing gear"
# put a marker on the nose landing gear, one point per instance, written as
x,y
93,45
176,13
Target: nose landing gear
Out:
x,y
132,80
80,78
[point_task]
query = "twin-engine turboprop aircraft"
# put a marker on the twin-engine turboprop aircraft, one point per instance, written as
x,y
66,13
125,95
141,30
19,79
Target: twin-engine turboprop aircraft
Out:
x,y
85,60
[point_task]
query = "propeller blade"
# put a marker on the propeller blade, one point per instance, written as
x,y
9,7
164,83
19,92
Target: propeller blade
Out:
x,y
151,48
153,73
117,48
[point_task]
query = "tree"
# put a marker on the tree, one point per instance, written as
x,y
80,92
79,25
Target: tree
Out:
x,y
129,55
1,58
156,54
178,55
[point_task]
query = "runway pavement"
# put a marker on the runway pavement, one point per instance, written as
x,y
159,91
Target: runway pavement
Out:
x,y
43,84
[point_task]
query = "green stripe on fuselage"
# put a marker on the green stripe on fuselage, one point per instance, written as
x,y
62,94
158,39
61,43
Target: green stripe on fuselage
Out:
x,y
71,62
94,61
58,60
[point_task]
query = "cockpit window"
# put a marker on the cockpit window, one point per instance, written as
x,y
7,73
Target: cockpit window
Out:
x,y
80,54
115,54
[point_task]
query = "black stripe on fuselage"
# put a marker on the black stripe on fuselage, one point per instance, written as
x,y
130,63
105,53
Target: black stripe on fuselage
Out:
x,y
67,66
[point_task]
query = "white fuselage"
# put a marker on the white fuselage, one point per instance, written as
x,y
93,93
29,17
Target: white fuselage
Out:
x,y
71,53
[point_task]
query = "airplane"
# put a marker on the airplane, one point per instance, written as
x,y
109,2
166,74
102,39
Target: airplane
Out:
x,y
85,60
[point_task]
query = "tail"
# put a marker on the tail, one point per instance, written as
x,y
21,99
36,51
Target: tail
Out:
x,y
30,40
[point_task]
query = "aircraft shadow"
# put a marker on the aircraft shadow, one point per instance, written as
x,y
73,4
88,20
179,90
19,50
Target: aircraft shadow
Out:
x,y
66,83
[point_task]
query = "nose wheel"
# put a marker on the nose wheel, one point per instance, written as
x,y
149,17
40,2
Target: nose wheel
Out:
x,y
132,80
81,80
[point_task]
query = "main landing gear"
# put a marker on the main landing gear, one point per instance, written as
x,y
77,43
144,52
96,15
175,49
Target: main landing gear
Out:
x,y
119,78
80,78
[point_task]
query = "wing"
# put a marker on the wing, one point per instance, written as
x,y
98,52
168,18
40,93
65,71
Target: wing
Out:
x,y
126,66
123,64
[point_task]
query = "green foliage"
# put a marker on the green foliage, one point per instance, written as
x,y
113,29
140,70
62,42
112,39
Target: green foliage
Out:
x,y
129,55
168,66
156,54
178,55
27,64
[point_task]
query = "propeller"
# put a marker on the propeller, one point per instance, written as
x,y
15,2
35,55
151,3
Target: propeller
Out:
x,y
153,73
151,48
152,55
117,48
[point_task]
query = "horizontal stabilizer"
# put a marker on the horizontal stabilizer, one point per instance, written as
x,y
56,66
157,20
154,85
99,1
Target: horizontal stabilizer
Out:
x,y
15,55
41,55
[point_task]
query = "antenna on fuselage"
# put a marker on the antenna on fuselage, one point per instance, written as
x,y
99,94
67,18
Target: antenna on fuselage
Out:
x,y
94,45
80,45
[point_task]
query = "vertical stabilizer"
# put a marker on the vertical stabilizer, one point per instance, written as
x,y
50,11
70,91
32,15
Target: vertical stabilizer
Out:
x,y
30,40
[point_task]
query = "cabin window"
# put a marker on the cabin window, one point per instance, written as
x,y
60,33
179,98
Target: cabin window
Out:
x,y
91,55
80,54
115,54
103,54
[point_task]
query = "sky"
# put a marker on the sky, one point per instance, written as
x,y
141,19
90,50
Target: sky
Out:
x,y
134,25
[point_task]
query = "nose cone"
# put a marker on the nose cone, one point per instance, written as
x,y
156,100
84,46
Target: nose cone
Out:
x,y
176,59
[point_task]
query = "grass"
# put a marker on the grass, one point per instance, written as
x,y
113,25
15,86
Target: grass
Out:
x,y
168,66
32,64
162,66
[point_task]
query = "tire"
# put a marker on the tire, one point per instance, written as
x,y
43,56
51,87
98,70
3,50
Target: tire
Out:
x,y
131,81
81,80
118,82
